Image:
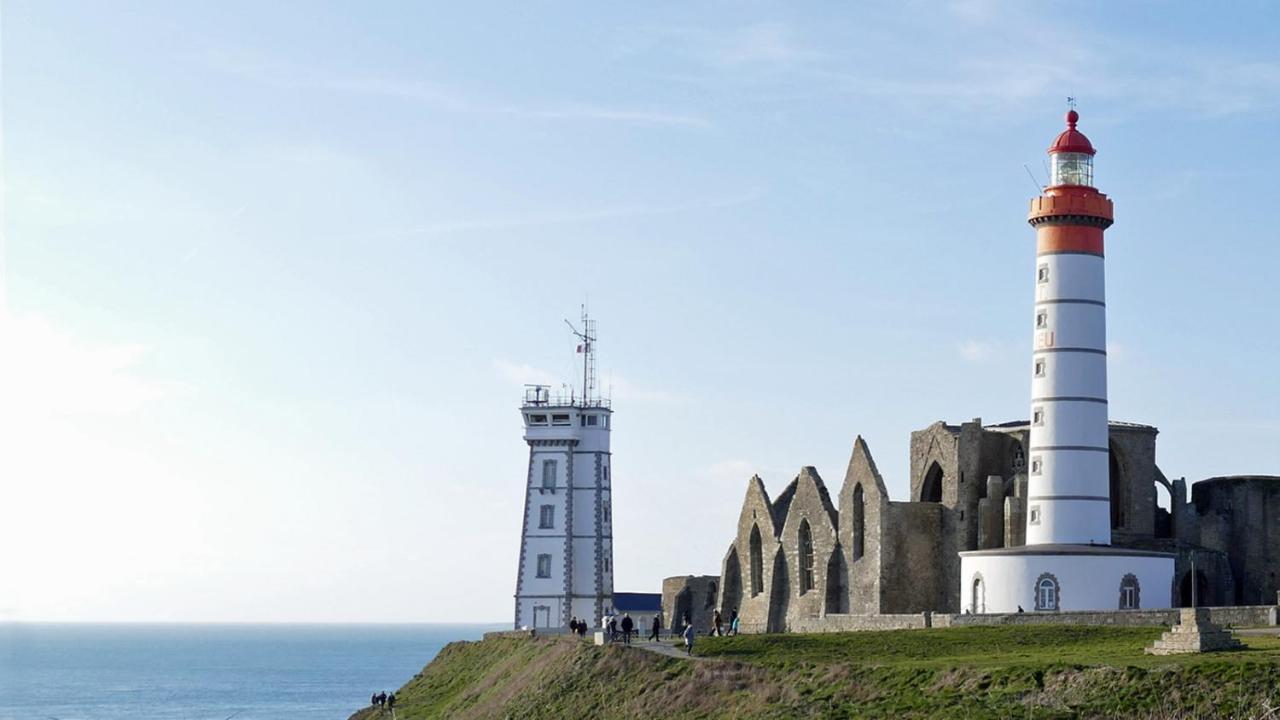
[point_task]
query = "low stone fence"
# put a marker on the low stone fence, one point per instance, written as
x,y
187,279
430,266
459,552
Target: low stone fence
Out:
x,y
1237,616
849,623
512,634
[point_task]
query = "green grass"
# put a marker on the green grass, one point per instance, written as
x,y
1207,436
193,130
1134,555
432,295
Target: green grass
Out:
x,y
978,672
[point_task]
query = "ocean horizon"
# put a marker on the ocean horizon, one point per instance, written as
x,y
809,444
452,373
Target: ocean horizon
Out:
x,y
211,671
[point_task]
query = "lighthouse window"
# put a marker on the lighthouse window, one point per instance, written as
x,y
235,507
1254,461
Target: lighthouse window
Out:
x,y
1042,274
1037,465
544,566
547,518
1047,592
1042,319
607,564
1129,593
1037,417
548,474
1072,169
559,419
537,419
1039,367
1035,515
593,420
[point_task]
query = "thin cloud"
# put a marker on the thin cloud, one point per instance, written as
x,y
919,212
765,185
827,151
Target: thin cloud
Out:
x,y
619,212
523,374
281,75
976,351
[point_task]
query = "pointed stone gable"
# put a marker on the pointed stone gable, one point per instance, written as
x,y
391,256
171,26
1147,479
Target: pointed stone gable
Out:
x,y
862,469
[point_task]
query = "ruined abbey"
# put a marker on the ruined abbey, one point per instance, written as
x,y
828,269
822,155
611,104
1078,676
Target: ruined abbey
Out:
x,y
804,555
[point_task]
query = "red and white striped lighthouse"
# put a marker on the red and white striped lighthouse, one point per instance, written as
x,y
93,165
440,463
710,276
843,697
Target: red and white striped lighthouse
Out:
x,y
1067,562
1067,485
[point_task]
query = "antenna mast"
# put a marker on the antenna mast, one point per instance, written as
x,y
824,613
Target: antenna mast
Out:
x,y
587,348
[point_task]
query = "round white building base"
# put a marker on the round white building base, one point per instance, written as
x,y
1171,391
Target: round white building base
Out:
x,y
1048,578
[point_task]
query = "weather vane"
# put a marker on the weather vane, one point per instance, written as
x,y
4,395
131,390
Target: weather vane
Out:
x,y
1071,102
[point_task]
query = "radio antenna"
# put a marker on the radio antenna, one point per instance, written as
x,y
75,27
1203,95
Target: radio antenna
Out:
x,y
587,347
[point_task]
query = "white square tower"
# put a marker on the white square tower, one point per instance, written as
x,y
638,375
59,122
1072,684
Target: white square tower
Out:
x,y
566,542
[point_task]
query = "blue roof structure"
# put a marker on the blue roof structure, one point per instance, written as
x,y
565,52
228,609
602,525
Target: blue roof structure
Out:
x,y
637,602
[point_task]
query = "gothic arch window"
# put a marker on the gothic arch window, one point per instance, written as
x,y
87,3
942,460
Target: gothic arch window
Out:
x,y
859,522
757,562
977,595
1047,592
711,596
931,488
1018,459
1119,486
806,557
1130,598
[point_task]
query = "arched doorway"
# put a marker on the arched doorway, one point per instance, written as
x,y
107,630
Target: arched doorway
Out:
x,y
779,594
1202,598
931,488
731,596
977,596
683,609
837,600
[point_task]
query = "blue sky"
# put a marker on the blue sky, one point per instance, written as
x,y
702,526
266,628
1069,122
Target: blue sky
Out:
x,y
274,274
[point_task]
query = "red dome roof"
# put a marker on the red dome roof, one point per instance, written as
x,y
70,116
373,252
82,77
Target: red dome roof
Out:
x,y
1072,140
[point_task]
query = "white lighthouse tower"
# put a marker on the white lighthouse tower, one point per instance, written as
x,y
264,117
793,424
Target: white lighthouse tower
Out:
x,y
566,542
1068,562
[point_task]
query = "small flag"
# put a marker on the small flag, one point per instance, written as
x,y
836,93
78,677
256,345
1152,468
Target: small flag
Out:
x,y
579,348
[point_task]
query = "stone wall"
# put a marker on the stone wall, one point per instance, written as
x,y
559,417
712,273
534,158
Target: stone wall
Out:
x,y
809,540
1235,616
851,623
1240,516
692,595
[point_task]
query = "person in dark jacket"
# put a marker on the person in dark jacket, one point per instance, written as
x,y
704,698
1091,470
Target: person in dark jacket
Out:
x,y
627,626
655,630
717,623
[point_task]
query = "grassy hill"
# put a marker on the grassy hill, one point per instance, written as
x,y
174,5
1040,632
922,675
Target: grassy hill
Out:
x,y
977,672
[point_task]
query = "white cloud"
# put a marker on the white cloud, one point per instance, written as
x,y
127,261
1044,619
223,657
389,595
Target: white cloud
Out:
x,y
47,372
523,374
976,351
278,74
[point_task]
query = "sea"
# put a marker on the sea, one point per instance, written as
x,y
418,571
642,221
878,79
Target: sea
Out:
x,y
209,672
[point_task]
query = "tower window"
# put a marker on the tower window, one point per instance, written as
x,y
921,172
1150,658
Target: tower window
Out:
x,y
548,474
1035,514
1037,416
544,566
537,419
606,513
608,565
559,419
593,420
1042,319
1042,274
1037,465
547,517
1039,367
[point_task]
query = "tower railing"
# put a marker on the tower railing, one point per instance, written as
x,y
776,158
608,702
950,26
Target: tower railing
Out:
x,y
541,396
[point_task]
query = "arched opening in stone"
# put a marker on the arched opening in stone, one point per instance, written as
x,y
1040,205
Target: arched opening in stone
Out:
x,y
779,594
711,595
931,488
977,596
682,613
1119,488
858,522
757,562
806,557
731,596
1163,510
837,600
1201,598
731,592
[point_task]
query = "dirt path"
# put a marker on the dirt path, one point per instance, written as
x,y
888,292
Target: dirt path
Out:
x,y
664,648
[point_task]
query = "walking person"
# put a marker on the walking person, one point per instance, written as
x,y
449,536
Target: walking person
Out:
x,y
655,630
733,622
627,626
613,629
718,622
688,639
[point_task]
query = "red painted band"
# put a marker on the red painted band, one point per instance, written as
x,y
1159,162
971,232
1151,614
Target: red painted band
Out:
x,y
1068,238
